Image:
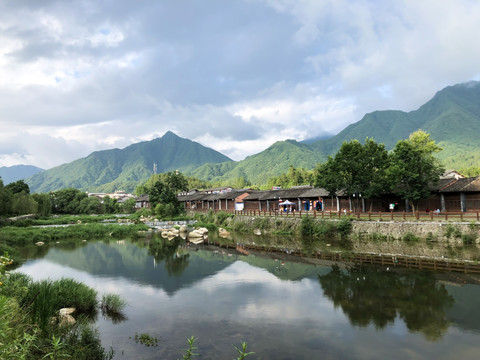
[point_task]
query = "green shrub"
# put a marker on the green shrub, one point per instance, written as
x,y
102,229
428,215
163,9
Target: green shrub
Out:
x,y
262,223
221,217
452,231
344,227
410,237
469,239
112,303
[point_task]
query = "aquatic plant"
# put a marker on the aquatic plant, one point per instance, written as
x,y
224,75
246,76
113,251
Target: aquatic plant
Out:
x,y
146,339
112,304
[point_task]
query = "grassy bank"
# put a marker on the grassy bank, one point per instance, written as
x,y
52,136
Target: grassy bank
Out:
x,y
32,326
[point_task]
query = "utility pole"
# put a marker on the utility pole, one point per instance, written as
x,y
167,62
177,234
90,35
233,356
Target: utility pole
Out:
x,y
155,168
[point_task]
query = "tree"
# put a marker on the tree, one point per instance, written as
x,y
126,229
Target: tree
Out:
x,y
90,205
110,205
44,204
163,195
357,170
128,206
23,203
67,201
5,200
17,187
414,168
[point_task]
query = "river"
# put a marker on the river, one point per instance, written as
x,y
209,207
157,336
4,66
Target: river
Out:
x,y
283,309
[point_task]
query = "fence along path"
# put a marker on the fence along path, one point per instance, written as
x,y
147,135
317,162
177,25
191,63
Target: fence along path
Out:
x,y
393,215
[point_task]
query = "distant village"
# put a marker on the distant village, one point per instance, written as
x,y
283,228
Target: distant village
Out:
x,y
452,193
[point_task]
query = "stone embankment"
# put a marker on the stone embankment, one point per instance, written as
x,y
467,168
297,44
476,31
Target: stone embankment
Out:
x,y
437,231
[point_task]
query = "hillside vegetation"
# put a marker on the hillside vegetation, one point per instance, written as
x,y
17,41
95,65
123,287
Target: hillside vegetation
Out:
x,y
451,117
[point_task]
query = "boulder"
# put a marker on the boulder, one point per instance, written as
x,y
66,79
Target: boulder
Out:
x,y
66,311
66,320
223,233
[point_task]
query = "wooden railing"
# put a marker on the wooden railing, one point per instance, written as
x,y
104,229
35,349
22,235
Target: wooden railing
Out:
x,y
373,216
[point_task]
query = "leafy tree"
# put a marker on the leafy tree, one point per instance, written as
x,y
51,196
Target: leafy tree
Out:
x,y
5,200
326,177
414,168
163,194
128,206
90,205
110,205
23,203
356,169
293,177
44,204
17,187
67,201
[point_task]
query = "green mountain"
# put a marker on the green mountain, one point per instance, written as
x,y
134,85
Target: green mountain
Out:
x,y
111,170
260,167
452,117
11,174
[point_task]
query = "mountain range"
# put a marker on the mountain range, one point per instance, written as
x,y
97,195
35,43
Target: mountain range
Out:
x,y
452,117
10,174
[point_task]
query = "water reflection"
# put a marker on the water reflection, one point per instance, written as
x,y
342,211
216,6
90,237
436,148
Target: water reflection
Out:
x,y
368,295
168,251
283,309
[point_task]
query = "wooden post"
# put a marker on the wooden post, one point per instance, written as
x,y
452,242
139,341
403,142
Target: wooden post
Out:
x,y
404,215
461,216
369,215
391,215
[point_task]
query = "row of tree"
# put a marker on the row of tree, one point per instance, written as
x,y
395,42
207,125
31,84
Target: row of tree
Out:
x,y
369,170
15,199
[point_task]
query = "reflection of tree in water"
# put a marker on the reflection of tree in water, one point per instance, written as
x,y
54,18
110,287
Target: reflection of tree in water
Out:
x,y
176,260
369,295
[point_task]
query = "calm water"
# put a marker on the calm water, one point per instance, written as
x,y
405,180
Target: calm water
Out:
x,y
282,309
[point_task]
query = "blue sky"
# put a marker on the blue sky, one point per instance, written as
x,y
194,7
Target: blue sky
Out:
x,y
78,76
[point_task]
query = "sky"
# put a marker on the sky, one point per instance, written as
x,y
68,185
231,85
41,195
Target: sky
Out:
x,y
78,76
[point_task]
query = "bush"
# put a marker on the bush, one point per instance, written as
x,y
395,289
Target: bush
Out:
x,y
344,227
112,303
469,239
410,237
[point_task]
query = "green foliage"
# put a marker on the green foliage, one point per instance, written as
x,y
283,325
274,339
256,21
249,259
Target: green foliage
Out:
x,y
112,303
67,201
110,170
23,236
190,351
413,167
146,339
344,227
262,223
293,177
452,231
5,200
18,187
410,237
355,169
221,218
44,204
163,194
242,352
469,239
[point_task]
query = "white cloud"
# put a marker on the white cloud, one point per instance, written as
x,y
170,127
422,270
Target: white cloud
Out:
x,y
236,77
